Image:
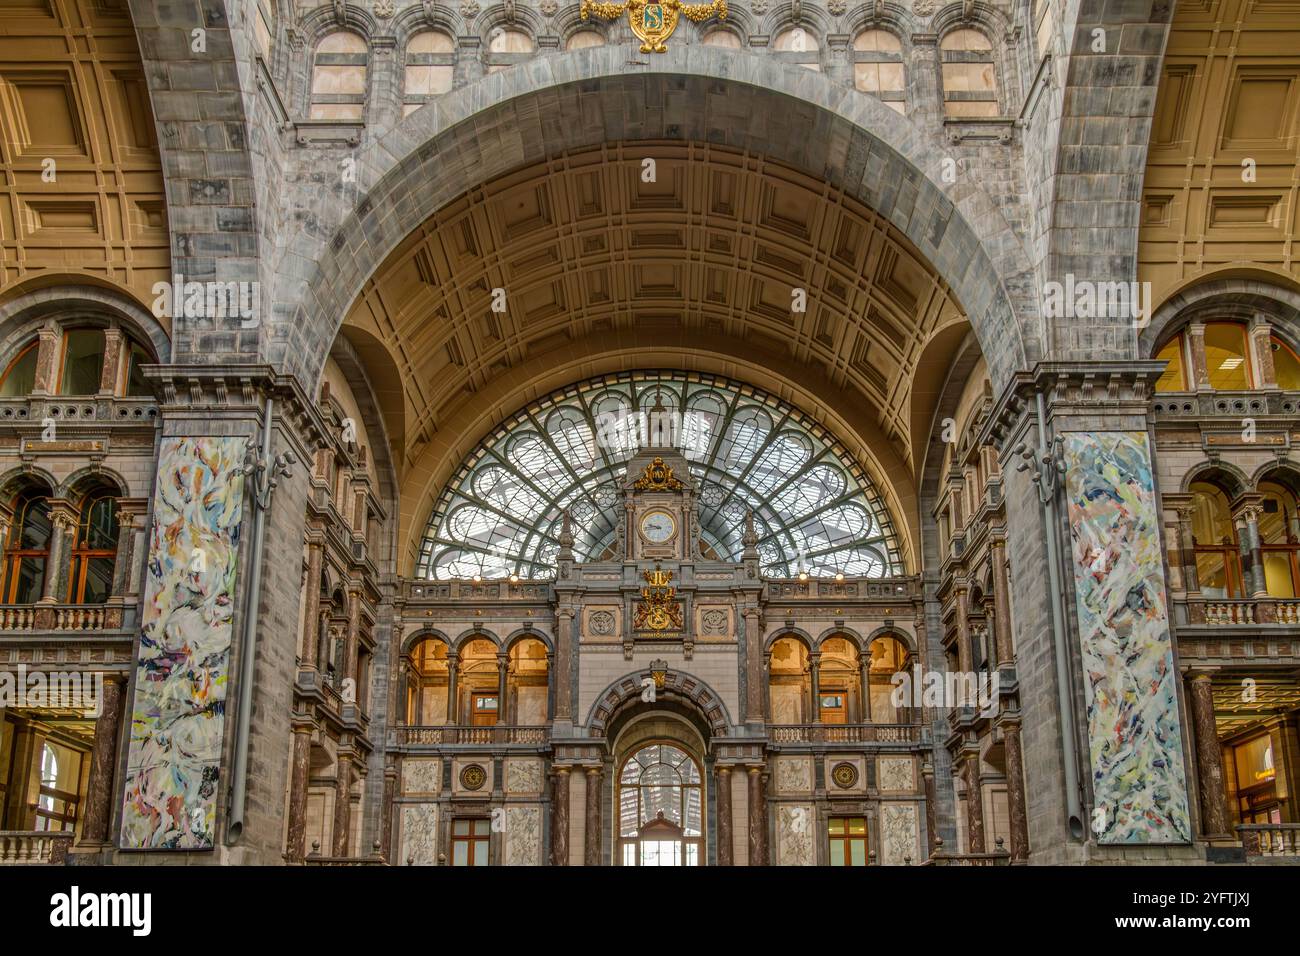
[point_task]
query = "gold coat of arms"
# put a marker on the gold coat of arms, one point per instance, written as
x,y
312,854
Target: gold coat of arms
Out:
x,y
657,611
653,23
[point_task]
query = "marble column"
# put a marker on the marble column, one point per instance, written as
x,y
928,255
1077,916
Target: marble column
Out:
x,y
864,666
1198,373
1187,553
1001,602
1019,818
1257,584
1209,757
560,817
550,685
99,789
757,818
453,663
963,633
296,843
815,684
1262,353
724,816
591,851
353,641
503,681
755,668
931,826
47,361
974,805
108,371
64,521
307,646
386,817
343,805
564,639
125,551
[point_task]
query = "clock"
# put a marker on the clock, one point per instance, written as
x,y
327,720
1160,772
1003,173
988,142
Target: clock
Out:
x,y
658,527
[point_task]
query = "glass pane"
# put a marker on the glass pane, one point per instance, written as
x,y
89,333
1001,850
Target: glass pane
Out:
x,y
1212,575
693,825
858,852
480,851
20,379
135,382
1225,355
666,800
1172,380
836,825
100,532
629,854
31,580
37,527
459,853
627,816
692,855
837,852
1286,366
482,827
83,357
857,826
460,827
99,580
1277,574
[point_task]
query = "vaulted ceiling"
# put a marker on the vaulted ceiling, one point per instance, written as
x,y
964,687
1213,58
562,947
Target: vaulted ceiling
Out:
x,y
606,261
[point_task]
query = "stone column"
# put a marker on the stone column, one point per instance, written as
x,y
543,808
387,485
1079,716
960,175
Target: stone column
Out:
x,y
1262,353
963,632
767,685
757,818
550,685
564,638
353,640
343,804
125,549
296,844
815,685
307,647
931,826
1198,374
1019,818
453,663
755,668
560,817
1209,757
1253,578
864,666
1002,602
99,789
1187,549
591,852
503,680
108,373
47,361
724,816
974,805
386,816
64,519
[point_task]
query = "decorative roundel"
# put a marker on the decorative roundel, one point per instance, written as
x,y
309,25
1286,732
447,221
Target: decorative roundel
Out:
x,y
473,777
845,775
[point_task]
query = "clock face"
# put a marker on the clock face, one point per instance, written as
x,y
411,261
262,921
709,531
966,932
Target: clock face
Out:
x,y
658,527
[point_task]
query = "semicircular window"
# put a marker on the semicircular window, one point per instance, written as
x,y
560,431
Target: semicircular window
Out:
x,y
814,508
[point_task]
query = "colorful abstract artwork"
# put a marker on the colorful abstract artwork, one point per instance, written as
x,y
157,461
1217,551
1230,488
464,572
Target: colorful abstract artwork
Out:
x,y
1134,738
182,672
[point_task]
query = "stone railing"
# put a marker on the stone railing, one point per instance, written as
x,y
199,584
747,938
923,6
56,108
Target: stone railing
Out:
x,y
844,733
1270,839
1217,404
59,617
1219,612
98,409
939,857
34,847
315,859
897,590
496,735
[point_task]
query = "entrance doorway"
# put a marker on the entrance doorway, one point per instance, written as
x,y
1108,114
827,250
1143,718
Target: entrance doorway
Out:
x,y
660,808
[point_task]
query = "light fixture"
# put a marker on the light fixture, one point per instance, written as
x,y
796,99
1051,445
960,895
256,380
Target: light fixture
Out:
x,y
803,575
839,575
478,579
1230,363
514,579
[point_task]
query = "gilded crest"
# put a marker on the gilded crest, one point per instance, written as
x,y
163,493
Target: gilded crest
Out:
x,y
654,22
657,610
658,477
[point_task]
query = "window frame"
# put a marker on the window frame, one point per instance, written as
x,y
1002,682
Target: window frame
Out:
x,y
989,57
848,838
32,346
471,840
82,555
361,99
878,57
14,556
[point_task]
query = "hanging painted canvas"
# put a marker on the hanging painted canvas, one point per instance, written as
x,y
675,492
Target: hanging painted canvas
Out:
x,y
182,670
1134,738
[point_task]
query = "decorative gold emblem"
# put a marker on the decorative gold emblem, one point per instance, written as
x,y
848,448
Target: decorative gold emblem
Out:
x,y
845,775
653,23
657,611
659,671
473,777
658,477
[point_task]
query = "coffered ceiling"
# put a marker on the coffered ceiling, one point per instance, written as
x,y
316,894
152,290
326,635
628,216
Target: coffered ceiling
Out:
x,y
596,258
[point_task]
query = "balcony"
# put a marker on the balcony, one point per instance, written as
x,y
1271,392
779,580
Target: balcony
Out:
x,y
1234,632
497,735
34,848
844,733
1218,612
1271,841
940,857
60,618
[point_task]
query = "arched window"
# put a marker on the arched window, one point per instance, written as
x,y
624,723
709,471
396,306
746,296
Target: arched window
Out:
x,y
721,37
1279,535
136,386
527,704
1218,562
338,80
20,377
888,657
878,67
83,362
970,86
1227,361
264,27
584,40
798,45
430,68
660,808
506,47
94,550
1043,25
1174,378
1286,365
426,703
28,549
789,682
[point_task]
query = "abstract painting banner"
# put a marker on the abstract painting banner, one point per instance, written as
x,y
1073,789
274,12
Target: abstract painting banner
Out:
x,y
1134,737
181,677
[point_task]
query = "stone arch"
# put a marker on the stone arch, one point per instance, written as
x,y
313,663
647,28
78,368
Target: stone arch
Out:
x,y
417,19
74,483
473,634
890,17
28,474
528,633
856,143
888,630
795,632
424,634
520,17
1226,475
1283,472
679,688
1238,297
23,315
852,635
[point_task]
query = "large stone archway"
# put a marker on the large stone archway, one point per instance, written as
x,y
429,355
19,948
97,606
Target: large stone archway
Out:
x,y
853,143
